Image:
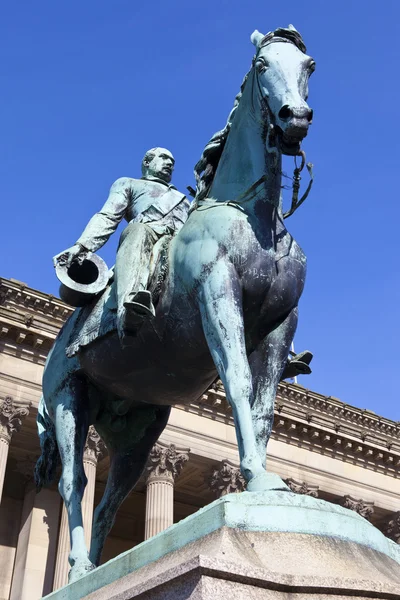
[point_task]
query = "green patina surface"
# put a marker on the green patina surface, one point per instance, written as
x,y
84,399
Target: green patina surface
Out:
x,y
270,511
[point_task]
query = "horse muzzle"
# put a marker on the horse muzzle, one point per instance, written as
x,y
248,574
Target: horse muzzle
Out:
x,y
292,126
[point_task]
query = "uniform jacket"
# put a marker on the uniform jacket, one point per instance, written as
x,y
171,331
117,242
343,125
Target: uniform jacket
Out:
x,y
150,201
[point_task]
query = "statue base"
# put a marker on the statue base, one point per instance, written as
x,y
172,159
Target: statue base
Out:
x,y
259,545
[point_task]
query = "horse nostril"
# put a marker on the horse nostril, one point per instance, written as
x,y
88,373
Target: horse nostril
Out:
x,y
310,115
285,112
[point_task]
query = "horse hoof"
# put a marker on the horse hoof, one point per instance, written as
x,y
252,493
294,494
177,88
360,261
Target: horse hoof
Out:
x,y
79,570
265,482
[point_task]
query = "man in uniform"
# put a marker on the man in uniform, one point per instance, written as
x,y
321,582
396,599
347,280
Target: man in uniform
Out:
x,y
153,208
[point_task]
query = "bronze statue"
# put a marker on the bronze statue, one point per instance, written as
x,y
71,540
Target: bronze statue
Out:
x,y
228,305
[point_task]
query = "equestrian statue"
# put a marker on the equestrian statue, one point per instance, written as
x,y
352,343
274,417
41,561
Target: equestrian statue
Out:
x,y
199,291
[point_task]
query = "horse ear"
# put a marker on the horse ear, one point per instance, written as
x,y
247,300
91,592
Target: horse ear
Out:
x,y
256,38
292,28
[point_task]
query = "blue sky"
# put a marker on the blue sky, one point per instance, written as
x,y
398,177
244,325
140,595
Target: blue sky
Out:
x,y
88,87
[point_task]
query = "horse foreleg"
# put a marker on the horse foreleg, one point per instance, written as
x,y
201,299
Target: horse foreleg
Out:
x,y
222,320
71,421
267,363
126,466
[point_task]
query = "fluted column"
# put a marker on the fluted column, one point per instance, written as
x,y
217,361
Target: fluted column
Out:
x,y
165,464
37,539
10,421
226,479
93,449
62,566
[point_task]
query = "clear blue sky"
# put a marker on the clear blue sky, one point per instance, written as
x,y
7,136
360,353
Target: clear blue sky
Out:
x,y
89,86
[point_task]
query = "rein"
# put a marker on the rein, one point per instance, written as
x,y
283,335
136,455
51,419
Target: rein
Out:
x,y
207,203
296,184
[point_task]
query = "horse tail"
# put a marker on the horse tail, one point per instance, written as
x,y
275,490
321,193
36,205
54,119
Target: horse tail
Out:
x,y
48,461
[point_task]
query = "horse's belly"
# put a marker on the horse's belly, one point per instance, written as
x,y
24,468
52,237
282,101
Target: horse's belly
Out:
x,y
162,386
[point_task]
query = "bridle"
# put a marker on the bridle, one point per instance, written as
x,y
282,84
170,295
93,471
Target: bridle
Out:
x,y
296,203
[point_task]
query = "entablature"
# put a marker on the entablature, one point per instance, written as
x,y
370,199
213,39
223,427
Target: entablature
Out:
x,y
321,423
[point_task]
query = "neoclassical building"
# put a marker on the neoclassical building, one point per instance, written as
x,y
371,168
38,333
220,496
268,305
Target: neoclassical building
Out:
x,y
320,446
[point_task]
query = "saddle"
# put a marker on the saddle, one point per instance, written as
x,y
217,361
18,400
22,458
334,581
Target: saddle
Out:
x,y
99,318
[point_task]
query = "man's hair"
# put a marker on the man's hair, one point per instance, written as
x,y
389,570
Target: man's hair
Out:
x,y
147,158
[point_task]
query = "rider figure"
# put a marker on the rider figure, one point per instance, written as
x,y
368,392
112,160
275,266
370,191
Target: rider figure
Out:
x,y
153,208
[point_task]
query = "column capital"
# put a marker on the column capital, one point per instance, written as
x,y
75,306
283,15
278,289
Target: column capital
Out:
x,y
11,417
363,508
227,479
166,462
94,447
391,528
302,487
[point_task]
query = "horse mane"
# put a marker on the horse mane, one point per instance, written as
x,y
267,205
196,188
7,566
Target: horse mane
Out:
x,y
206,167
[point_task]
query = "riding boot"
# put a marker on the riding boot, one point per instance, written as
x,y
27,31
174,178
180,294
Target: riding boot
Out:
x,y
132,271
298,365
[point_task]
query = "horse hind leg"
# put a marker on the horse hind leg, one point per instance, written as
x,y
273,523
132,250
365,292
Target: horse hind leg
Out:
x,y
143,427
71,417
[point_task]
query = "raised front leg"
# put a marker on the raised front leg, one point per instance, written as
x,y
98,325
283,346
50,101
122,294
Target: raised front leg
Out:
x,y
267,363
221,313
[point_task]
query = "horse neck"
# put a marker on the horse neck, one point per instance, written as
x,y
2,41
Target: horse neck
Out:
x,y
246,159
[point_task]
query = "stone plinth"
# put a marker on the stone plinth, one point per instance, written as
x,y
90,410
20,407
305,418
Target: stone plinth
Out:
x,y
271,545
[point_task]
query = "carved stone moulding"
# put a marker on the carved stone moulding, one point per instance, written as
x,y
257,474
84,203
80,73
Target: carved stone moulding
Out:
x,y
365,509
226,479
94,447
15,293
301,487
166,462
392,527
11,416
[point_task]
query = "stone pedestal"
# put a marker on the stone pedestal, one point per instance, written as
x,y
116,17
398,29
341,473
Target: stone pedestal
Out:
x,y
274,545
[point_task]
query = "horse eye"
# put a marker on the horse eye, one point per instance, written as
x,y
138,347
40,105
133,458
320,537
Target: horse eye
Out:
x,y
261,65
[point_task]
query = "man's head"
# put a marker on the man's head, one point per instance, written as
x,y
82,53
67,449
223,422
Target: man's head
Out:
x,y
159,163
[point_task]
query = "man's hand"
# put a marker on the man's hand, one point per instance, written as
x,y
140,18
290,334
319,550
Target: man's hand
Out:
x,y
76,253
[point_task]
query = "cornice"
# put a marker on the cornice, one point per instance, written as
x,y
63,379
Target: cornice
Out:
x,y
28,317
321,424
18,296
318,406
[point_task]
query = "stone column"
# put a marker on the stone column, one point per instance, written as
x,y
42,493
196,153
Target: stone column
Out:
x,y
93,449
365,509
34,559
227,479
62,566
10,421
164,465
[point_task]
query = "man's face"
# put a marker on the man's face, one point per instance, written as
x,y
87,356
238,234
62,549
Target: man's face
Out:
x,y
162,165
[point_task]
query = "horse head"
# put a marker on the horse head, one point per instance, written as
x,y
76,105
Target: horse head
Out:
x,y
282,69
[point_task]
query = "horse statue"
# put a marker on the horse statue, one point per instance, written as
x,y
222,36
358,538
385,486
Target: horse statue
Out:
x,y
227,308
